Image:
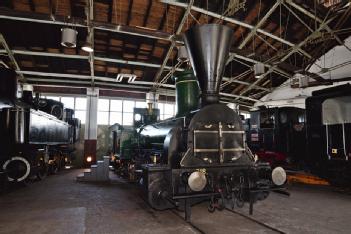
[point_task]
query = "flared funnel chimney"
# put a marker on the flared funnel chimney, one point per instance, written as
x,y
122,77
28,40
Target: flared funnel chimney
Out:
x,y
208,49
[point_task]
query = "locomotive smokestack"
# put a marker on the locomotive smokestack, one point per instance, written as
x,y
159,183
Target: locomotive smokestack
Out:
x,y
208,49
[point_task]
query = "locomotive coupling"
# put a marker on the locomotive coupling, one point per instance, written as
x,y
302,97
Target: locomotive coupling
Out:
x,y
197,181
278,176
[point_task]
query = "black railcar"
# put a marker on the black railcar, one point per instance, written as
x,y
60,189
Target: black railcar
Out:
x,y
328,131
277,135
316,139
33,137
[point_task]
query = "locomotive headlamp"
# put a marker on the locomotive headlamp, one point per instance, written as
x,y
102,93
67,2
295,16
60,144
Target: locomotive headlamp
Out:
x,y
278,176
89,159
137,117
197,181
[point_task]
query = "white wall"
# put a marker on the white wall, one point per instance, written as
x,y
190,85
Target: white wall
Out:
x,y
336,56
287,96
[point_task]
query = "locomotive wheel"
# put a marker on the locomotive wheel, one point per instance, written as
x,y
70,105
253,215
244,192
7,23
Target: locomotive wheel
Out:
x,y
52,167
220,204
42,170
17,168
211,208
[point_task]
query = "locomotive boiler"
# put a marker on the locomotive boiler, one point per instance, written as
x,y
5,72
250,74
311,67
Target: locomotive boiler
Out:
x,y
34,137
201,155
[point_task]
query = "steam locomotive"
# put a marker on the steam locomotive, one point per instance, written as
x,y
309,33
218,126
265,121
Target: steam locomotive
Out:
x,y
37,135
200,155
317,139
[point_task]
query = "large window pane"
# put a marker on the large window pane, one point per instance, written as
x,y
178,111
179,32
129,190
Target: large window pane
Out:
x,y
128,106
102,118
80,115
68,102
81,103
116,105
169,109
140,104
53,98
160,106
115,117
127,118
103,104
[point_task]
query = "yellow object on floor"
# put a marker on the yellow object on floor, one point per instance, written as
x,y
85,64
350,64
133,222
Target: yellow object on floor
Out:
x,y
303,178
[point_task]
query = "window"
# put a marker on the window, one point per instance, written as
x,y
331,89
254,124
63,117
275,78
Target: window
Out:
x,y
115,117
127,118
116,107
103,105
160,107
246,115
53,98
103,111
80,108
128,106
68,102
166,110
78,104
81,104
267,119
80,115
102,117
140,104
112,111
128,109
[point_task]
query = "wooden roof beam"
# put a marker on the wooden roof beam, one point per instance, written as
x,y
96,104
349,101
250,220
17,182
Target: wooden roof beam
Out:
x,y
173,43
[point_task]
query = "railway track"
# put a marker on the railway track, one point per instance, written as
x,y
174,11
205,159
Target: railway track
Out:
x,y
219,225
204,222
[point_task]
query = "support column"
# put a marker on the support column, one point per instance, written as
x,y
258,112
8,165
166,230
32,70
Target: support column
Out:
x,y
90,134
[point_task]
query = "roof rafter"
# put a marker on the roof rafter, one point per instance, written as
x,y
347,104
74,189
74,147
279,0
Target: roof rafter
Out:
x,y
173,43
233,21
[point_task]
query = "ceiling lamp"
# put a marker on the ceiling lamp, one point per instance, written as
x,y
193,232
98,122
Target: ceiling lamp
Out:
x,y
69,37
182,54
87,47
258,69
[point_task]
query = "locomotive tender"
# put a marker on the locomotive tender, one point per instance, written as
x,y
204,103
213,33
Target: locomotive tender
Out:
x,y
36,134
201,155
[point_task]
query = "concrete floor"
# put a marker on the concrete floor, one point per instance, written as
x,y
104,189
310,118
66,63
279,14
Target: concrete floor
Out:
x,y
60,205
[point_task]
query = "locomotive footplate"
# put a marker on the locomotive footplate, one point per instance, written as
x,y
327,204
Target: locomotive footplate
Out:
x,y
222,187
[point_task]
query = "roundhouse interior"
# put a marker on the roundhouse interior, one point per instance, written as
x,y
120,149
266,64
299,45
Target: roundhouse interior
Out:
x,y
168,116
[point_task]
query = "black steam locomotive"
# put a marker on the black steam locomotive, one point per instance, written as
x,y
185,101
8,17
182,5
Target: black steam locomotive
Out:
x,y
37,135
201,153
277,135
317,139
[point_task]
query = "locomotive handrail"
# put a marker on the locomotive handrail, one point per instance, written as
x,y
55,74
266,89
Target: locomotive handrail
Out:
x,y
216,150
168,120
214,131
